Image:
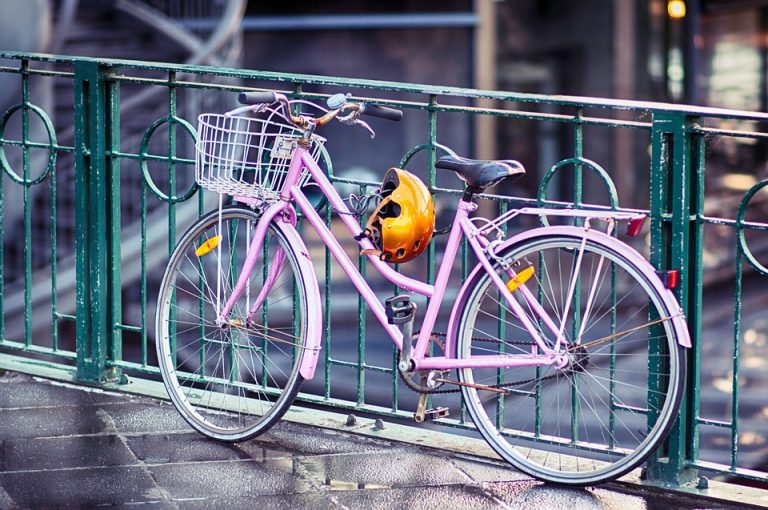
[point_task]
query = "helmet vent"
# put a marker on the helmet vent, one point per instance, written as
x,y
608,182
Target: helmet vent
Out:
x,y
389,209
388,188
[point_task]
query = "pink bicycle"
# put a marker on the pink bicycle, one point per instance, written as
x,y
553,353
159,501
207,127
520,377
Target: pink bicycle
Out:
x,y
568,348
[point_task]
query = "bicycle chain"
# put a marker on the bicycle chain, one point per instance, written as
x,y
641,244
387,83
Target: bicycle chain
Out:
x,y
436,391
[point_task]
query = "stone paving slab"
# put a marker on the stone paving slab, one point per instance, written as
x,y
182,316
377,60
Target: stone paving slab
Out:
x,y
305,501
69,447
51,421
39,454
317,441
420,498
80,487
229,479
193,447
31,394
145,417
400,468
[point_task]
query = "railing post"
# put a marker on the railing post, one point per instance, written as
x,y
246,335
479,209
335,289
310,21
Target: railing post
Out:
x,y
676,244
98,266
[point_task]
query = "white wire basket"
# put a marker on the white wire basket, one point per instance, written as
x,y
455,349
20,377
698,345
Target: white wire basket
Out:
x,y
248,156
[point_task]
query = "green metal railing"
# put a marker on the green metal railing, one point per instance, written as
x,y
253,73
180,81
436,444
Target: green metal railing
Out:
x,y
90,214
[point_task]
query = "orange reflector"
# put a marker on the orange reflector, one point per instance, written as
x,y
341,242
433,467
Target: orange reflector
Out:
x,y
208,246
520,278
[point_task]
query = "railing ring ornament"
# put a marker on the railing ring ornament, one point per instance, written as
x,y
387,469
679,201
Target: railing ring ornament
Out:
x,y
5,164
143,153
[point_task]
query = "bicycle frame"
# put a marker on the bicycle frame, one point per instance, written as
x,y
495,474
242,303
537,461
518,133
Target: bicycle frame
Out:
x,y
462,227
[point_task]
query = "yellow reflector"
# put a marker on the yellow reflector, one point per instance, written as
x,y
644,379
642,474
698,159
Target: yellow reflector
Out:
x,y
520,278
208,246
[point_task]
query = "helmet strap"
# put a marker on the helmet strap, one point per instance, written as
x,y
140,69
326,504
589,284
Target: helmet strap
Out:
x,y
372,251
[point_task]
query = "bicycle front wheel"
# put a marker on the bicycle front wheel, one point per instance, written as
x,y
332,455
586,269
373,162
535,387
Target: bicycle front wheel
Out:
x,y
231,380
606,411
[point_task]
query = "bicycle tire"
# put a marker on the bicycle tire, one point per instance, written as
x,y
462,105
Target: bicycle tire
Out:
x,y
608,410
232,382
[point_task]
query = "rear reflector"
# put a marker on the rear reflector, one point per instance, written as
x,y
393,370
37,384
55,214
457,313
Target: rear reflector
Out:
x,y
670,279
635,225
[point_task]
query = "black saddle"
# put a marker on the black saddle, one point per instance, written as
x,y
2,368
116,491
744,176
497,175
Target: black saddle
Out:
x,y
480,174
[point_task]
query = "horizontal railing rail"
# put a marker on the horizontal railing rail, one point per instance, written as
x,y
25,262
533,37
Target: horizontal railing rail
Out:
x,y
707,217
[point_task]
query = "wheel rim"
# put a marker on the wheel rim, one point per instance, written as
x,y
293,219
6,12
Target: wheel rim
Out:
x,y
589,422
233,380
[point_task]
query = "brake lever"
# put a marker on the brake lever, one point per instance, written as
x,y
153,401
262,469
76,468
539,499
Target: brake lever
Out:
x,y
365,125
351,119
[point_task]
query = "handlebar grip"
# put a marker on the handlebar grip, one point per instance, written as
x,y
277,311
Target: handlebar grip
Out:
x,y
267,97
383,112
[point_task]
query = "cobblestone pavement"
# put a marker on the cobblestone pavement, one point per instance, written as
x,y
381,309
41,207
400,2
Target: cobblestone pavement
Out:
x,y
69,447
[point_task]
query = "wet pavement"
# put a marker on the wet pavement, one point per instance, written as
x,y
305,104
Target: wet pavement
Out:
x,y
70,447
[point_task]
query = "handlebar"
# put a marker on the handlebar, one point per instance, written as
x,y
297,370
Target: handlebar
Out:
x,y
346,111
382,112
257,97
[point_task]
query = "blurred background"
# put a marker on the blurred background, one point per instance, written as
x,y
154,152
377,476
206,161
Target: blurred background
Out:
x,y
702,52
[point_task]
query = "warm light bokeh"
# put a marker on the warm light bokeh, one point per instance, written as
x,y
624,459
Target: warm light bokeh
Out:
x,y
676,9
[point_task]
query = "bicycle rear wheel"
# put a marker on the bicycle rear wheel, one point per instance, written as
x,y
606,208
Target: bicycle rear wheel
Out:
x,y
231,381
606,411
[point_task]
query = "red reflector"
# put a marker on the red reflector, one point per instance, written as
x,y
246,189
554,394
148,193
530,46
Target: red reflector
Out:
x,y
635,225
672,279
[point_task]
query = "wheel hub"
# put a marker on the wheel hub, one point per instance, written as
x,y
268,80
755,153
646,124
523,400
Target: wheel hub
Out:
x,y
578,359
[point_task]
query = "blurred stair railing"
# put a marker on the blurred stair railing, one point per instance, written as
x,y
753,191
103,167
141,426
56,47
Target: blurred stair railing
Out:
x,y
219,47
222,47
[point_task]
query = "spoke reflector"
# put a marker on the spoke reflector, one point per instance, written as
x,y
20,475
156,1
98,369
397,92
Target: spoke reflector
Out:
x,y
208,246
520,278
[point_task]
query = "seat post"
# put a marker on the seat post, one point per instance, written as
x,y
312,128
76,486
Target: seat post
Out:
x,y
469,193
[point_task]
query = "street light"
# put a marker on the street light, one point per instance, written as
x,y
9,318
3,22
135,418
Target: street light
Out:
x,y
676,9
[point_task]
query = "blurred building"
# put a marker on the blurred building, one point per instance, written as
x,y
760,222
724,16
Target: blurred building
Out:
x,y
703,52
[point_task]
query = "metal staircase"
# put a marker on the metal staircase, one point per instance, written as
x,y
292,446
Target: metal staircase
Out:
x,y
125,29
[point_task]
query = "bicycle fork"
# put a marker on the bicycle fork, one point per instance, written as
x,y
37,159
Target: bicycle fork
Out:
x,y
250,261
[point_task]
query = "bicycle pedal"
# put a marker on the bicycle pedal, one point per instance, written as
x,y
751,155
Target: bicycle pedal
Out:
x,y
400,309
435,413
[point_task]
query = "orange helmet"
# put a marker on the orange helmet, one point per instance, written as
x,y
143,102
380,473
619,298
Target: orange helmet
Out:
x,y
402,224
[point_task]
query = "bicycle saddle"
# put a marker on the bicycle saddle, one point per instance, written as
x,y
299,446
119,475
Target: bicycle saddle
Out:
x,y
481,173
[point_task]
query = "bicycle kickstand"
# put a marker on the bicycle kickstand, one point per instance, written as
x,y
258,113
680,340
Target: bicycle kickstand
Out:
x,y
422,413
